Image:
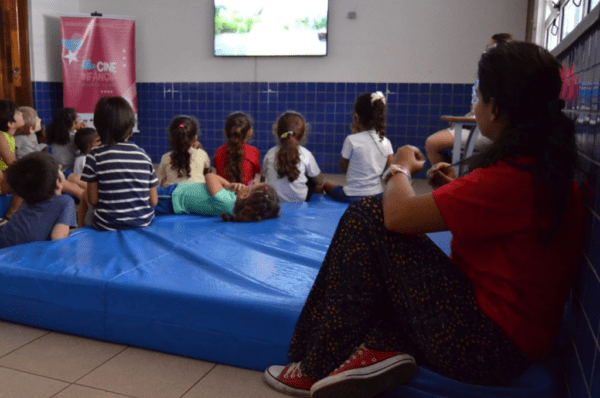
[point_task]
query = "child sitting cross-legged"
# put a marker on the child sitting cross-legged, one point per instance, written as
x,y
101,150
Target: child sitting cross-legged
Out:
x,y
232,201
46,214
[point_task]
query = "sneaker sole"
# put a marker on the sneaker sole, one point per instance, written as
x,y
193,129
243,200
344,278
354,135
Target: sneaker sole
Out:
x,y
367,382
279,386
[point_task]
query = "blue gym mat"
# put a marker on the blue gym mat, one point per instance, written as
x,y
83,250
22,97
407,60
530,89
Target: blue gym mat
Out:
x,y
199,287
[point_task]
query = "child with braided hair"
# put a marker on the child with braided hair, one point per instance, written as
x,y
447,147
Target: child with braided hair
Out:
x,y
290,167
187,162
235,160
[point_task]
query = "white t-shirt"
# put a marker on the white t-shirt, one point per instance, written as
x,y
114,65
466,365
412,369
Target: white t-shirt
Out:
x,y
79,164
367,156
290,191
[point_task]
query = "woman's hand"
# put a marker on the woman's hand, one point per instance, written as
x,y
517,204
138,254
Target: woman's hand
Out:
x,y
411,158
441,174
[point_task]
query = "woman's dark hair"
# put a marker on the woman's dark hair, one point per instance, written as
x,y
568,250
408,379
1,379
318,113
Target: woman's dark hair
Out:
x,y
84,138
237,127
7,113
262,204
114,119
503,38
60,127
183,130
371,112
524,81
290,130
34,177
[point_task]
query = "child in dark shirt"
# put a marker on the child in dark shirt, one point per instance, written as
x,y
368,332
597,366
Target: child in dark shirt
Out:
x,y
46,214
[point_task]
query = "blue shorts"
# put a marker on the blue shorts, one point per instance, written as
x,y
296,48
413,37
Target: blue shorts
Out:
x,y
165,204
338,194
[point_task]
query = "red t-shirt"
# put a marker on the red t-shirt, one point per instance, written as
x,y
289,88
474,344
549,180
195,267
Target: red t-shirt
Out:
x,y
250,164
519,283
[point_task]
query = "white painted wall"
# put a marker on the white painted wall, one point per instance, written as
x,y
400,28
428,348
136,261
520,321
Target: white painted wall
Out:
x,y
425,41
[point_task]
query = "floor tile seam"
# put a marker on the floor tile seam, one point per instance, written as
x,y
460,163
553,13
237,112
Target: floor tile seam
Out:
x,y
199,380
103,390
34,374
28,343
103,363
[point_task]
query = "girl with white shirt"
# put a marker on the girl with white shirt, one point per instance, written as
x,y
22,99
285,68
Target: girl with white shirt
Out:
x,y
289,167
366,153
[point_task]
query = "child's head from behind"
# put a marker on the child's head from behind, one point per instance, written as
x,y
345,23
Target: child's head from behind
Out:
x,y
9,112
370,111
31,121
86,139
290,130
183,133
114,120
34,177
255,204
238,129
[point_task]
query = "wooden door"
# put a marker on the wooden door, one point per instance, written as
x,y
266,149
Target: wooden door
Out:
x,y
15,76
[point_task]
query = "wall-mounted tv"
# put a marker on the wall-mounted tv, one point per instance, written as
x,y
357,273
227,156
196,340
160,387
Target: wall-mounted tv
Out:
x,y
263,28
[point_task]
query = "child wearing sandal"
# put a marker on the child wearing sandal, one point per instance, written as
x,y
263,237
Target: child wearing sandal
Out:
x,y
289,167
366,152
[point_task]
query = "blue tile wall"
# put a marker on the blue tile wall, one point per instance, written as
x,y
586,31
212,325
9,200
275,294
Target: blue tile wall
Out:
x,y
414,111
582,347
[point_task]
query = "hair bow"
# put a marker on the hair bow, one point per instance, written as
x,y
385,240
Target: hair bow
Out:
x,y
287,134
376,96
181,126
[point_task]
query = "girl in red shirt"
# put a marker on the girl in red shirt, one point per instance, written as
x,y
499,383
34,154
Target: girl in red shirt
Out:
x,y
482,315
235,160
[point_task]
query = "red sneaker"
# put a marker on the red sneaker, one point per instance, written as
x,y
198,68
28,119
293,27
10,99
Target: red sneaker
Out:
x,y
289,379
365,374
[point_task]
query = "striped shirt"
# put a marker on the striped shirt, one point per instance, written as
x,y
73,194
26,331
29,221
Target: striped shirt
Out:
x,y
125,175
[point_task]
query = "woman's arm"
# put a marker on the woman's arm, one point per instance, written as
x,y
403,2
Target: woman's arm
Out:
x,y
404,212
92,193
5,154
344,164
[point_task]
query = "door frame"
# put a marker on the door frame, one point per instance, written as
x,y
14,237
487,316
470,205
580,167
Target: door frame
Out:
x,y
15,69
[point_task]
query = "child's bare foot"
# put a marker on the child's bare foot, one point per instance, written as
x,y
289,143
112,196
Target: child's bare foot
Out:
x,y
328,186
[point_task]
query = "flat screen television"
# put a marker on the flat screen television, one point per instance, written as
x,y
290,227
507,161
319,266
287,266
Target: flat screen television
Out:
x,y
266,28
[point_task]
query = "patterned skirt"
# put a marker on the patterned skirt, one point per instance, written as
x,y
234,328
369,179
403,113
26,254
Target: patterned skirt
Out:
x,y
396,292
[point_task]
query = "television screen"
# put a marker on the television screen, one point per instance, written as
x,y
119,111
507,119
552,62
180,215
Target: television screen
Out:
x,y
270,28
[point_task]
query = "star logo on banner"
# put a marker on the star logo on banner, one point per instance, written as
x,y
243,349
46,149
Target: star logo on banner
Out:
x,y
71,56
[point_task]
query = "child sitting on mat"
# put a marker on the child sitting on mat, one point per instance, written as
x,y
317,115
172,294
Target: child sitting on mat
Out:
x,y
187,162
46,214
60,135
290,167
26,140
121,183
85,140
235,160
232,201
366,152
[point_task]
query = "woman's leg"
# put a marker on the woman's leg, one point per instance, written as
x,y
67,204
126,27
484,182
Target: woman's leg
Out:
x,y
396,292
437,143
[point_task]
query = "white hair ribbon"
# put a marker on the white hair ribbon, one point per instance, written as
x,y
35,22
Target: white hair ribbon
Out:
x,y
376,96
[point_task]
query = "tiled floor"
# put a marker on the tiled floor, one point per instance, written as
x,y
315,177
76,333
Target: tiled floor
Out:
x,y
36,363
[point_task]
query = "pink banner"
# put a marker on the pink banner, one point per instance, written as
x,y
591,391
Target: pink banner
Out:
x,y
98,58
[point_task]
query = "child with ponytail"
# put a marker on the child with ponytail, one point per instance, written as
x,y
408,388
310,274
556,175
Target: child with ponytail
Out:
x,y
187,162
289,167
235,160
366,152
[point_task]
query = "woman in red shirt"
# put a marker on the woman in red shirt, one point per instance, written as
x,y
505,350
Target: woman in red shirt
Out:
x,y
485,313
